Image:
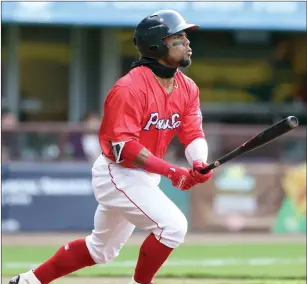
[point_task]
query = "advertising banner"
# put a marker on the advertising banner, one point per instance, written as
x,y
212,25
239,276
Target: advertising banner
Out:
x,y
260,197
47,197
291,217
57,197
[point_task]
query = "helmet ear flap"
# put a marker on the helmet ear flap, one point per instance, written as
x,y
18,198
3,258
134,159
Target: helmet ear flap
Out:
x,y
159,51
154,48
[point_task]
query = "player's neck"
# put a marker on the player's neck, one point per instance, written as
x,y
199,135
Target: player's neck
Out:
x,y
166,83
160,70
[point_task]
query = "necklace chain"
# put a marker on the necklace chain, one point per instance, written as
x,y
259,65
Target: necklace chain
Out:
x,y
175,84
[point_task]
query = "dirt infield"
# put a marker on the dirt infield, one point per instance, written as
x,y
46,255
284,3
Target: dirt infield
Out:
x,y
41,239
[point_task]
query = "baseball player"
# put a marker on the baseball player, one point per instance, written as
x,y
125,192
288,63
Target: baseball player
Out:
x,y
142,113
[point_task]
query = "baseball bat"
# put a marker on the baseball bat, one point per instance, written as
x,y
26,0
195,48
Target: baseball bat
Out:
x,y
264,137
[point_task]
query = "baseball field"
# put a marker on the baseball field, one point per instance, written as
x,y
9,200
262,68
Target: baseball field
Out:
x,y
204,258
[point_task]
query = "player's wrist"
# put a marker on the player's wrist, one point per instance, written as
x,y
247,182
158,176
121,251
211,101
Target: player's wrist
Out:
x,y
159,166
138,155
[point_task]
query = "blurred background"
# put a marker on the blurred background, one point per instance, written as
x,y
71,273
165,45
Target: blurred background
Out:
x,y
60,59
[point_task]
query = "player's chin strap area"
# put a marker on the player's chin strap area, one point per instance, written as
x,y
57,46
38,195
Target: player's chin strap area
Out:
x,y
159,69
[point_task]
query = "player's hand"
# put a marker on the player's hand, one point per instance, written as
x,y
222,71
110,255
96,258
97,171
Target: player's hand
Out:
x,y
181,178
200,178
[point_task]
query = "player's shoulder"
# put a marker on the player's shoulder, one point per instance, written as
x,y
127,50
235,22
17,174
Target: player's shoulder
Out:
x,y
133,80
187,79
129,87
188,82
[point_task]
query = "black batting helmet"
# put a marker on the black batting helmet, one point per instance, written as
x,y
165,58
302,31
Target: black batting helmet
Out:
x,y
150,32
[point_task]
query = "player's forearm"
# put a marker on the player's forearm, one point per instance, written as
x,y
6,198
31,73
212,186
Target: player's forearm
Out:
x,y
138,155
197,150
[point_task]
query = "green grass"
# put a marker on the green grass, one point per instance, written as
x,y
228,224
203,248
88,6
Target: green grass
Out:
x,y
237,282
174,281
260,262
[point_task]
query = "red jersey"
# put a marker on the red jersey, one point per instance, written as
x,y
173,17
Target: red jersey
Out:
x,y
138,107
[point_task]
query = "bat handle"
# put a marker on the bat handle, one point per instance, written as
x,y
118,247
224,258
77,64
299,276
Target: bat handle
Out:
x,y
210,167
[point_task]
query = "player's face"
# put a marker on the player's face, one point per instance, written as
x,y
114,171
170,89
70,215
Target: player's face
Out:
x,y
179,50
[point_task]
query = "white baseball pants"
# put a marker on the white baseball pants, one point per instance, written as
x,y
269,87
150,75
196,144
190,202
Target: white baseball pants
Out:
x,y
130,198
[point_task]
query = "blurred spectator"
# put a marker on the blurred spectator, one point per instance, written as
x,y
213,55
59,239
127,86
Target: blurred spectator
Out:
x,y
8,119
301,89
275,89
8,141
89,140
282,56
73,148
85,145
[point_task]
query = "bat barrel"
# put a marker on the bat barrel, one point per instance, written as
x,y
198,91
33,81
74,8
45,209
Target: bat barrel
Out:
x,y
266,136
292,121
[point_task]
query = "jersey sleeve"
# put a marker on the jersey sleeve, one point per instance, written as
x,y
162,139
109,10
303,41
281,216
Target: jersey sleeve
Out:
x,y
122,115
191,124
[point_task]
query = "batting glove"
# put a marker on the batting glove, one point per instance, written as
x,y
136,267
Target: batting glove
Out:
x,y
182,178
200,178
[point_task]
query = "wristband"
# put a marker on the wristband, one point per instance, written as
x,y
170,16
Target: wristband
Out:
x,y
151,163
